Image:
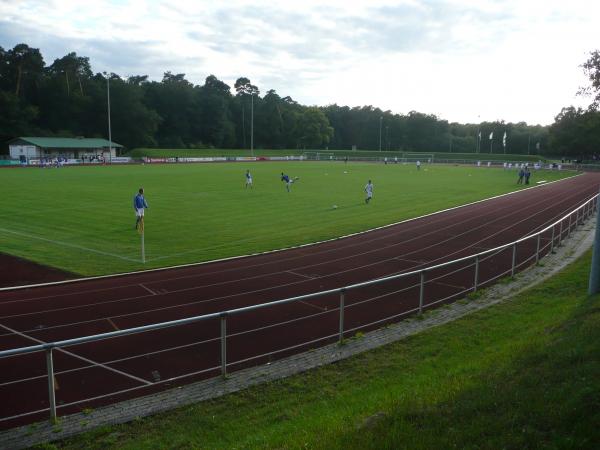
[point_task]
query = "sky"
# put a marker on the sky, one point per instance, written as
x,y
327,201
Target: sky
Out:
x,y
464,61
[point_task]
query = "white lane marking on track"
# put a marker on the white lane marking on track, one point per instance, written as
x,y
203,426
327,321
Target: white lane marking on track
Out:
x,y
449,285
148,289
320,308
300,275
66,352
113,324
412,261
67,244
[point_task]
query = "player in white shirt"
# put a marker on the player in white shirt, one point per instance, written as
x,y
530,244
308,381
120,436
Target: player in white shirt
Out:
x,y
249,179
369,191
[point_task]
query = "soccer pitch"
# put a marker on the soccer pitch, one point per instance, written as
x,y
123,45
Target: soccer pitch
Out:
x,y
81,219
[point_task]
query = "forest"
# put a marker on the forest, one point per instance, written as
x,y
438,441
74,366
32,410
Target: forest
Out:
x,y
66,99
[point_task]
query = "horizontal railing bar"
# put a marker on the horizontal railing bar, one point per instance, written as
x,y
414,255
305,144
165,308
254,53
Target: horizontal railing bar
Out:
x,y
172,323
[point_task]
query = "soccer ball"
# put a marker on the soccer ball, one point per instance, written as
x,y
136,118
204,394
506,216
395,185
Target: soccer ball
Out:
x,y
334,206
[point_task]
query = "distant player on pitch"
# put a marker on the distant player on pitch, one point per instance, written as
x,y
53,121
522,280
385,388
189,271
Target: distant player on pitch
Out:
x,y
139,204
248,179
369,191
288,180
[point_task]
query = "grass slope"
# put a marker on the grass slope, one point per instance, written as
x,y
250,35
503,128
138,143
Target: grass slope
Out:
x,y
523,374
81,218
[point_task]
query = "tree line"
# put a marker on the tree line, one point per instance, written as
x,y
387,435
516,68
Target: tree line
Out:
x,y
67,99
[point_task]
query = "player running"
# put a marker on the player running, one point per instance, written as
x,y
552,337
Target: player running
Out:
x,y
249,179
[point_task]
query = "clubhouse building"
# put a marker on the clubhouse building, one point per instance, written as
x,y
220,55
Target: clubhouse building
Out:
x,y
28,148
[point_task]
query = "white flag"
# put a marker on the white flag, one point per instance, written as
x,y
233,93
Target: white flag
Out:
x,y
491,135
504,140
480,135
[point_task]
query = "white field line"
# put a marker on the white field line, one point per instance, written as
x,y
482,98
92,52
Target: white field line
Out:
x,y
67,244
99,277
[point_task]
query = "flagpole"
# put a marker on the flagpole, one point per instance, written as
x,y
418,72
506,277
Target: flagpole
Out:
x,y
142,241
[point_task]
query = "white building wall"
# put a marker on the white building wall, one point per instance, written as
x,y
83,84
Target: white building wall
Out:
x,y
29,151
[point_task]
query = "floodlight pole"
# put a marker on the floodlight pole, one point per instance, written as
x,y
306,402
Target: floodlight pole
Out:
x,y
380,124
109,128
252,123
387,139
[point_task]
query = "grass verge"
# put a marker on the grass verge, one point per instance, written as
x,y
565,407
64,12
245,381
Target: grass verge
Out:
x,y
523,374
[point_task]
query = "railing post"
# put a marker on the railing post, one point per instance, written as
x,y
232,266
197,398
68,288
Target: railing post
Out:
x,y
224,344
51,393
552,241
422,292
560,233
514,260
537,249
342,295
569,232
476,273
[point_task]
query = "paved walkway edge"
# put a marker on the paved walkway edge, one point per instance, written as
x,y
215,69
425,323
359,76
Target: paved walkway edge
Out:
x,y
27,436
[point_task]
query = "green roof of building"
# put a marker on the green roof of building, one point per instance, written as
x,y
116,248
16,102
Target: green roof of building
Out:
x,y
56,142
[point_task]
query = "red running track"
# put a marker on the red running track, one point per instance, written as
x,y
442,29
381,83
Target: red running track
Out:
x,y
135,365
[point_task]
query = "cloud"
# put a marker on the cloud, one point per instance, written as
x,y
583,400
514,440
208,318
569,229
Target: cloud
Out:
x,y
459,59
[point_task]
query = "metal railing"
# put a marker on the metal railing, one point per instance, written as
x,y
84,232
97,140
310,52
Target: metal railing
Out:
x,y
564,225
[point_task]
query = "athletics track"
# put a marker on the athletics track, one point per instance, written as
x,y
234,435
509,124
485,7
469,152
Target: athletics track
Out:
x,y
143,363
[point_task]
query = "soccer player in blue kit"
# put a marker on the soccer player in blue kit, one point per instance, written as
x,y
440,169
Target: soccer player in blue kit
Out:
x,y
288,181
139,204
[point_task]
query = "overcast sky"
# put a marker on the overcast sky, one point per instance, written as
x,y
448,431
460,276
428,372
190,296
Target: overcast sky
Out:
x,y
464,60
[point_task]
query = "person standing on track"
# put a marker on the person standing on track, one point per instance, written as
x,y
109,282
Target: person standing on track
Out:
x,y
139,204
249,179
369,192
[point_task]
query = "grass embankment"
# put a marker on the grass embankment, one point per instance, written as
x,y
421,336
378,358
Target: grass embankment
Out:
x,y
523,374
81,219
324,154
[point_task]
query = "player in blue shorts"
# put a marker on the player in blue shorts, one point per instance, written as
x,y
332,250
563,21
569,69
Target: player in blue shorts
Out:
x,y
249,179
288,180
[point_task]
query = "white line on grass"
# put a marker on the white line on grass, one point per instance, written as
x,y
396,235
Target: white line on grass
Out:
x,y
66,244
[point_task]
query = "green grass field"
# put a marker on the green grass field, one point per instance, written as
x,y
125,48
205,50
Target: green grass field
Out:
x,y
81,219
